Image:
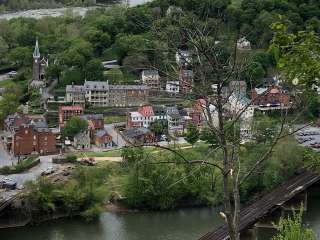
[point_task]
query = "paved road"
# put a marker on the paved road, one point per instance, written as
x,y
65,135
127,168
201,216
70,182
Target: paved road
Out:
x,y
117,138
33,173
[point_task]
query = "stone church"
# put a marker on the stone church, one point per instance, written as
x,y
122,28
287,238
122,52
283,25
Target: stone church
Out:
x,y
39,66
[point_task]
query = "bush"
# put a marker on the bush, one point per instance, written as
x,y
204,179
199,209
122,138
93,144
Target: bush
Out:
x,y
21,167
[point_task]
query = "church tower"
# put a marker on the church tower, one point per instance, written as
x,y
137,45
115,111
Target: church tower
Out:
x,y
36,63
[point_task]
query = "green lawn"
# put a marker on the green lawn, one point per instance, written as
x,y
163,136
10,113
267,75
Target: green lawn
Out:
x,y
6,82
114,119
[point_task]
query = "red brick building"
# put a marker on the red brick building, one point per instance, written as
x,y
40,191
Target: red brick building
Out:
x,y
27,134
95,123
186,80
68,112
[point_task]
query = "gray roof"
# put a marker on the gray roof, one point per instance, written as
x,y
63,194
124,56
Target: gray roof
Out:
x,y
81,135
136,132
150,72
129,87
92,116
101,133
97,85
75,88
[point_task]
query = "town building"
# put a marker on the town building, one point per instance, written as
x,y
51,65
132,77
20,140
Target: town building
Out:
x,y
75,94
142,118
138,136
151,78
101,94
68,112
207,112
173,87
272,98
102,139
95,123
241,106
28,134
38,70
82,141
160,112
186,81
175,122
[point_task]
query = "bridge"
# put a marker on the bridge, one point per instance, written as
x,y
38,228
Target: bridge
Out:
x,y
268,204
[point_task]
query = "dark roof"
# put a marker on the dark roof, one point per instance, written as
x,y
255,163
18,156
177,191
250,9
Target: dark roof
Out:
x,y
159,110
92,117
136,132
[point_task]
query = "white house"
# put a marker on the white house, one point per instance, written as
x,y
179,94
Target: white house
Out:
x,y
151,78
243,44
240,104
173,87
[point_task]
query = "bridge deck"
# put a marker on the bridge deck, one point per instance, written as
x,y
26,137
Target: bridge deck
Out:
x,y
267,204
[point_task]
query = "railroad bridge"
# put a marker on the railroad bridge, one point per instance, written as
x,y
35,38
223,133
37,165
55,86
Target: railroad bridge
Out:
x,y
271,206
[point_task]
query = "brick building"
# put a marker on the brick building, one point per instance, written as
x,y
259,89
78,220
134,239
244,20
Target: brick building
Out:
x,y
68,112
102,94
27,134
102,139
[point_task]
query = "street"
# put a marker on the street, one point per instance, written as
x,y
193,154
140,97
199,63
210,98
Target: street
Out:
x,y
33,173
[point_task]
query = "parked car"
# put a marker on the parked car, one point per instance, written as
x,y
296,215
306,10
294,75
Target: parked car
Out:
x,y
8,183
48,171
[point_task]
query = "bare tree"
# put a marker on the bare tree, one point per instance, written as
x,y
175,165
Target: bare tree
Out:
x,y
185,42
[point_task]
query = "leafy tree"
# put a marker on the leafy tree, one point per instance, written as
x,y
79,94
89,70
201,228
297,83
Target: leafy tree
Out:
x,y
114,75
159,128
21,56
193,134
293,229
10,101
94,70
297,54
4,47
75,125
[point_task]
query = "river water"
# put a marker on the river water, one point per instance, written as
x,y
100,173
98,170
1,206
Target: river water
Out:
x,y
187,224
56,12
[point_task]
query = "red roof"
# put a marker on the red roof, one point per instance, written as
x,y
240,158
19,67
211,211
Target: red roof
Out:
x,y
146,110
71,108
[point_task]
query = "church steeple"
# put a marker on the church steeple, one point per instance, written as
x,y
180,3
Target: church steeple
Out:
x,y
36,52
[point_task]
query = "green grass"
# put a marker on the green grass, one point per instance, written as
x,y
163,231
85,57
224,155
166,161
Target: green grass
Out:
x,y
114,119
112,153
6,82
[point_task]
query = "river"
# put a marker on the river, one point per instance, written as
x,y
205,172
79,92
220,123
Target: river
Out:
x,y
56,12
187,224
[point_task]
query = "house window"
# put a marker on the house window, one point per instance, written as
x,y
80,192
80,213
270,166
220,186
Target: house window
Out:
x,y
26,131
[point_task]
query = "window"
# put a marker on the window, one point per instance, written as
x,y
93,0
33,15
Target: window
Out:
x,y
26,132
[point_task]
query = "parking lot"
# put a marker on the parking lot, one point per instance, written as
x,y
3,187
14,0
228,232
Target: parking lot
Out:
x,y
310,137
